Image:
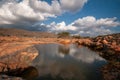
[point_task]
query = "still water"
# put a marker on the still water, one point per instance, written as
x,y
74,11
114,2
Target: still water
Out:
x,y
70,62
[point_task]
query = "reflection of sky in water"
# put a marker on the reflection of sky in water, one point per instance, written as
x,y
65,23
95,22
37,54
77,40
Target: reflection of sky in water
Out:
x,y
68,62
84,54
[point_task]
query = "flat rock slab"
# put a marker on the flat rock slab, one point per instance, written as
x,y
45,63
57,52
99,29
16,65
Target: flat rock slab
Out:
x,y
17,56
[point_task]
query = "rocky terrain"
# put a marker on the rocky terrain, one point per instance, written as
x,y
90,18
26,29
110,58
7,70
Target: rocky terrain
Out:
x,y
108,47
16,44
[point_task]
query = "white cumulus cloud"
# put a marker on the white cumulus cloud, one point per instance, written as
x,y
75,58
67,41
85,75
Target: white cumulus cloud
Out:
x,y
12,12
92,27
72,5
28,12
44,7
86,26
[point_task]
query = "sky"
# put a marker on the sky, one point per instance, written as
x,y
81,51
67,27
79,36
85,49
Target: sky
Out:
x,y
78,17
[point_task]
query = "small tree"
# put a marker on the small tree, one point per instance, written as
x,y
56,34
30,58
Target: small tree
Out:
x,y
63,35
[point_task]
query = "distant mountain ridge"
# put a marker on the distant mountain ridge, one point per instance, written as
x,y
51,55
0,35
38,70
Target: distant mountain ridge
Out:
x,y
25,33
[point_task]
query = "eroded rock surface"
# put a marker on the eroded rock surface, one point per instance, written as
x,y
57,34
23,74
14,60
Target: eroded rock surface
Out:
x,y
19,58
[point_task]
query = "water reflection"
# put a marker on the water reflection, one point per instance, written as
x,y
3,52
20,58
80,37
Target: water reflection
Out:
x,y
58,62
63,49
30,73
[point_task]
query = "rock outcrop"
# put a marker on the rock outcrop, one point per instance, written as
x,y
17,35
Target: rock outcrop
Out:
x,y
17,58
109,48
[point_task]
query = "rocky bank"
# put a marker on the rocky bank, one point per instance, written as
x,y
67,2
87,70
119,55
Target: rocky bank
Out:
x,y
17,53
108,47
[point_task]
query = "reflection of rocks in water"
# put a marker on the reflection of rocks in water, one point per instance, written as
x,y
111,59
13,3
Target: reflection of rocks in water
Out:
x,y
63,49
30,73
49,77
57,77
5,77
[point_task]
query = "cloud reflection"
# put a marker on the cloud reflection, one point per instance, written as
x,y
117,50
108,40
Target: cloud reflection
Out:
x,y
75,63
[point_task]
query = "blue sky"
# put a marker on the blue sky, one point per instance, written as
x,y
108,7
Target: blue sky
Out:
x,y
96,8
84,17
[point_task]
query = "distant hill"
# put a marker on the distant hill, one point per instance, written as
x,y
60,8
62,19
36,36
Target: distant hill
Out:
x,y
25,33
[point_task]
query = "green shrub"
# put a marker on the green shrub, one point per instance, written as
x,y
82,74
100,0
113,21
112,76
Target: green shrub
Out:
x,y
63,35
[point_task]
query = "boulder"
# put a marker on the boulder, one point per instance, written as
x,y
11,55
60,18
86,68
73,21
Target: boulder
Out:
x,y
105,41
